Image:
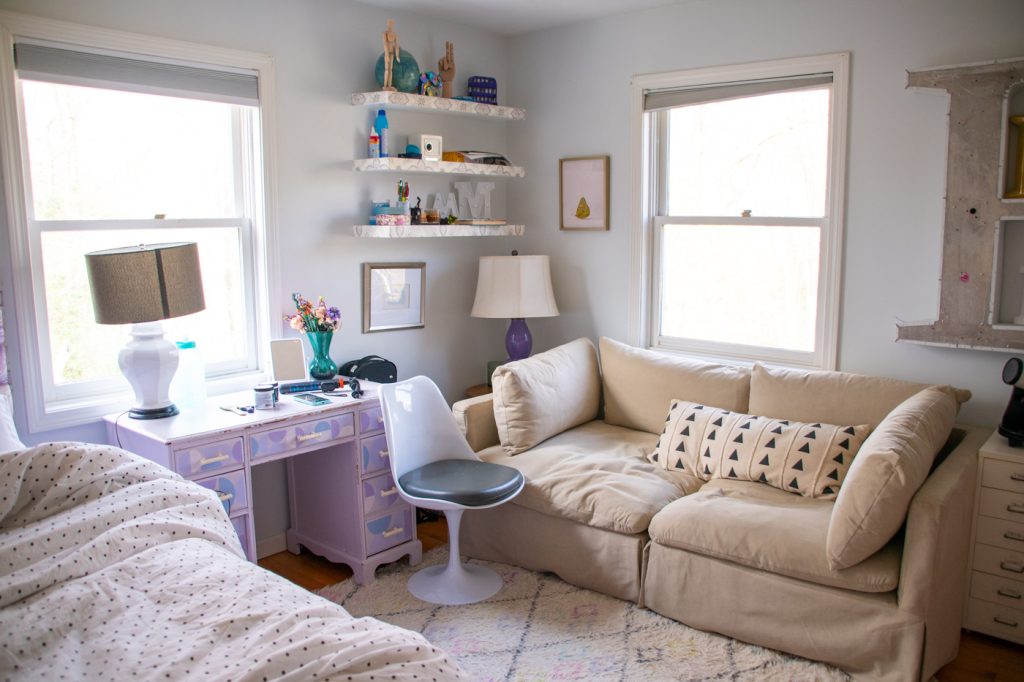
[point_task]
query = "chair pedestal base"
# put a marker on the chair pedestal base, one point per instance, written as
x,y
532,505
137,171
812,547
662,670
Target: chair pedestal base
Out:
x,y
465,585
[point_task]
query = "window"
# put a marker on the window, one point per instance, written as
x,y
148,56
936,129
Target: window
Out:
x,y
117,148
741,200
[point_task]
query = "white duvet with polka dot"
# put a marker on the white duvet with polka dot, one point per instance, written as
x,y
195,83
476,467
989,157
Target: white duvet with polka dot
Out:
x,y
114,568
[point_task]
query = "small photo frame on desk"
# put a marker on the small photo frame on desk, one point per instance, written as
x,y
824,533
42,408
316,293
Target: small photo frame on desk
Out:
x,y
394,296
583,193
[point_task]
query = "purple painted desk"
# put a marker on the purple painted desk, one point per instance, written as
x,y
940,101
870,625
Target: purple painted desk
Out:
x,y
343,501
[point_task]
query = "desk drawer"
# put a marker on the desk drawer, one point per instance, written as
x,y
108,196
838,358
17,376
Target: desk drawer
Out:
x,y
1001,533
390,530
375,455
999,561
1003,475
997,590
371,419
995,619
380,494
1002,504
230,487
296,436
203,460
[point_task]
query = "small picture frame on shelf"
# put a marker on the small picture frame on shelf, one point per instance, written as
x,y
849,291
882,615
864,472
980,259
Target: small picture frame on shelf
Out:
x,y
394,296
583,193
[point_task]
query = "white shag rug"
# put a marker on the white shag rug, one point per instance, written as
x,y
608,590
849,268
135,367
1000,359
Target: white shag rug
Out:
x,y
540,628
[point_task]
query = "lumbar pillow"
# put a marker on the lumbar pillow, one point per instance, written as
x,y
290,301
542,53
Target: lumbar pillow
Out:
x,y
541,396
711,442
892,465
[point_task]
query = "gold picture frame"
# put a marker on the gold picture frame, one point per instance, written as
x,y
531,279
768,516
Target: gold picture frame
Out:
x,y
394,296
583,193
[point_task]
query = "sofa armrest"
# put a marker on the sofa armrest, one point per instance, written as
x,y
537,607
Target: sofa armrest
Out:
x,y
933,575
475,417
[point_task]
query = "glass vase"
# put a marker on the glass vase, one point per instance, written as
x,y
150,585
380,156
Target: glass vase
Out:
x,y
321,367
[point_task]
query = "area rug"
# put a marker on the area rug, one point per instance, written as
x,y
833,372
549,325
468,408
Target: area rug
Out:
x,y
540,628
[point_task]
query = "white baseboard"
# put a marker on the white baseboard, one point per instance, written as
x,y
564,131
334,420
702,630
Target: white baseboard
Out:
x,y
272,545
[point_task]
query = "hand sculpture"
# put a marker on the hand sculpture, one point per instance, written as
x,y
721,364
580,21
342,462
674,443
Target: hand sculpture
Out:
x,y
446,67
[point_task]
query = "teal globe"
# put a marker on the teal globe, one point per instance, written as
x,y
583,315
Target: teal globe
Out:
x,y
405,75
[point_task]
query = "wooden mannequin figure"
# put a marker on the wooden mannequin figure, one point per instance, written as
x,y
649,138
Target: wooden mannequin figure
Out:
x,y
446,67
392,54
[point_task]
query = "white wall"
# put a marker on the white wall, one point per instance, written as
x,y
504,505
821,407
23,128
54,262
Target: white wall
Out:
x,y
324,50
574,82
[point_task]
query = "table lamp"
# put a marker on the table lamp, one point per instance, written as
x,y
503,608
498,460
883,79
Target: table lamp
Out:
x,y
516,287
142,285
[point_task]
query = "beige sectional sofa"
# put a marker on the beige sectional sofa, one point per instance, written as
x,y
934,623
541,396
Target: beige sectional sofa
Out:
x,y
853,558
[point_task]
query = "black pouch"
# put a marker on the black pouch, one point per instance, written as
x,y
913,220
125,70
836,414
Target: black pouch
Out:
x,y
371,368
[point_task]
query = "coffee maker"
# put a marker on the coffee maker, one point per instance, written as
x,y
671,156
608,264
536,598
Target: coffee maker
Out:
x,y
1012,425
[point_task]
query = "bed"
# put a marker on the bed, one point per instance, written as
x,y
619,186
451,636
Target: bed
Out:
x,y
112,567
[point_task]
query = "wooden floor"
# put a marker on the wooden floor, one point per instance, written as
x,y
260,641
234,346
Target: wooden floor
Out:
x,y
980,657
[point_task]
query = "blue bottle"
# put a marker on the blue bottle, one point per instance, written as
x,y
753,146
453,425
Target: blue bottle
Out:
x,y
381,124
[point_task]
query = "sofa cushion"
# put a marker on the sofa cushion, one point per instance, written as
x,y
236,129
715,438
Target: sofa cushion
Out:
x,y
893,463
595,474
834,397
709,442
638,385
762,527
546,394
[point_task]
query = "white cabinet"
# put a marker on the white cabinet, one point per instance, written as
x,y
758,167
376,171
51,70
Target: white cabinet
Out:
x,y
995,603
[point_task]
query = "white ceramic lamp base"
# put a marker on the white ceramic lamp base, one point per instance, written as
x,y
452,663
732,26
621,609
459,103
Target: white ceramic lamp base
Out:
x,y
149,362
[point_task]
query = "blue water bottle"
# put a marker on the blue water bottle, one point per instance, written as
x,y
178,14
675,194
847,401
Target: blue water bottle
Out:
x,y
381,124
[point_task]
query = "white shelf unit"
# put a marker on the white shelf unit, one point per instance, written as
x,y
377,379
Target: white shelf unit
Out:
x,y
391,164
441,105
421,231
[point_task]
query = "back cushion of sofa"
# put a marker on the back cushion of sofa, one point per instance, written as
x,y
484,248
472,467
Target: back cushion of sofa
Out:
x,y
639,384
833,397
543,395
892,464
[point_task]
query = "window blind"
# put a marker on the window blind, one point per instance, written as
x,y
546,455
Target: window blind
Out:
x,y
70,65
657,100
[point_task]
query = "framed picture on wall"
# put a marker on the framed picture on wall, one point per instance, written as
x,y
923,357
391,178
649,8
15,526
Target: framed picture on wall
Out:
x,y
394,296
583,193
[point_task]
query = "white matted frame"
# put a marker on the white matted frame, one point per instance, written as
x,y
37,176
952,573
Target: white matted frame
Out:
x,y
583,184
394,296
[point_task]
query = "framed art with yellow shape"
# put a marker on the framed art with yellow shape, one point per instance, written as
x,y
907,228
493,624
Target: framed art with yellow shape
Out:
x,y
583,193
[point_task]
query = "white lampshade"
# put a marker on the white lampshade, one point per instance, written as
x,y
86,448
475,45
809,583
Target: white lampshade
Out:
x,y
514,287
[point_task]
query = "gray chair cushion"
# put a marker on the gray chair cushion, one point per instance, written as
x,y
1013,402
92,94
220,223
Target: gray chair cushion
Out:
x,y
468,482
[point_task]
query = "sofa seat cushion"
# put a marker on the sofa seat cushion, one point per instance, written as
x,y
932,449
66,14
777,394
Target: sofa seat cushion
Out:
x,y
595,474
762,527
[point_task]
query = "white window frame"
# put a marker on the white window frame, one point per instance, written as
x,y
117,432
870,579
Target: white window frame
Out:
x,y
42,409
646,223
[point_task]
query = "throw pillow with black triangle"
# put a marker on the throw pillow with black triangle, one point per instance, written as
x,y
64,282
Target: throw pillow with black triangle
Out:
x,y
735,456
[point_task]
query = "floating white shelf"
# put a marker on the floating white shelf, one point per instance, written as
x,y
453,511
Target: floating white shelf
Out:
x,y
405,100
414,231
394,163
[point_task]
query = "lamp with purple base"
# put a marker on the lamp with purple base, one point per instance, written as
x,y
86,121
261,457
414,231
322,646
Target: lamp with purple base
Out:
x,y
515,287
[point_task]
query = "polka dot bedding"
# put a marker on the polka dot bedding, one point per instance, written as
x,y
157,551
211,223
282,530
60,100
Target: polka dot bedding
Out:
x,y
112,567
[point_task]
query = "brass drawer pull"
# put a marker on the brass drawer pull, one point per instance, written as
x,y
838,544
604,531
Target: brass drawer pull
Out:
x,y
396,531
1011,566
223,457
310,436
1017,477
383,453
224,497
1005,621
389,493
1014,535
380,420
1015,508
1004,592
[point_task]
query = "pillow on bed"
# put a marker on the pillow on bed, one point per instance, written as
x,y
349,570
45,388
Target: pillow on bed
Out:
x,y
9,441
710,442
